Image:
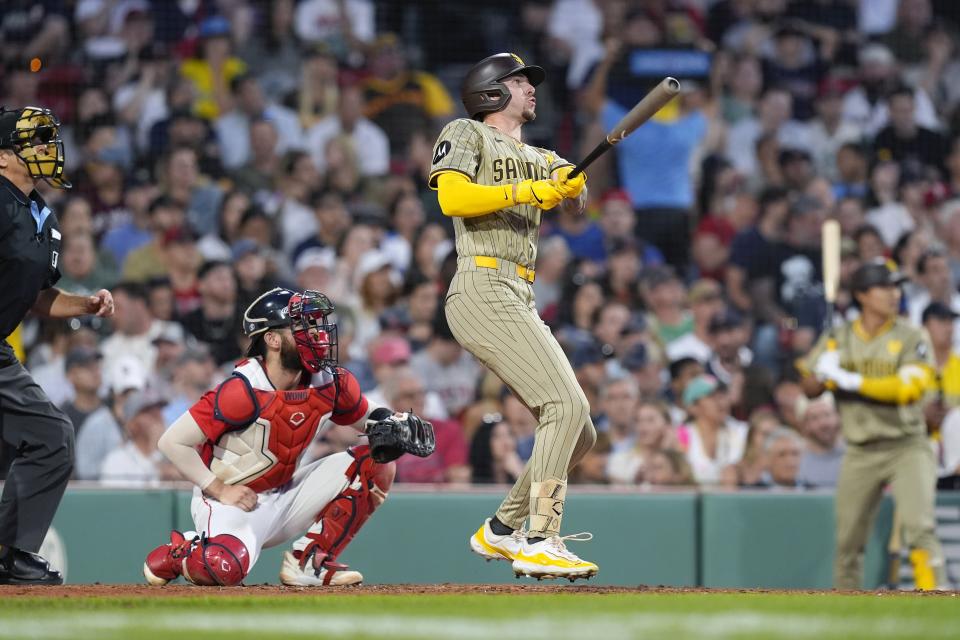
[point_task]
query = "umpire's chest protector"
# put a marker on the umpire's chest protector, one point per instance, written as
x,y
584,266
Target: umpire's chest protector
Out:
x,y
29,253
263,453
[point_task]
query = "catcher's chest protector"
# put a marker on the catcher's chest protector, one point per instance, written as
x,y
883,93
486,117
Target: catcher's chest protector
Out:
x,y
264,454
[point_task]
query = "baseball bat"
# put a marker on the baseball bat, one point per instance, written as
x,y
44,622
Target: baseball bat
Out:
x,y
830,246
659,96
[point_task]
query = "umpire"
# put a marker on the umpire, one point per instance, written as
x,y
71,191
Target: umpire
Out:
x,y
38,432
880,367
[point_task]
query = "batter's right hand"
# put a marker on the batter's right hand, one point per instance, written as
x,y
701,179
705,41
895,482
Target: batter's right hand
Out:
x,y
237,495
542,194
570,188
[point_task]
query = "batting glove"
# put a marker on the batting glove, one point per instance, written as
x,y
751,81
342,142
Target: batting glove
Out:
x,y
542,194
828,369
569,188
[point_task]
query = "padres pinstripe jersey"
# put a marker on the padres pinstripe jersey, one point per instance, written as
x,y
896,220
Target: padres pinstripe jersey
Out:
x,y
897,344
487,156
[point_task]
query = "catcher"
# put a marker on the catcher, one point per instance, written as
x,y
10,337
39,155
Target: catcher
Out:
x,y
241,443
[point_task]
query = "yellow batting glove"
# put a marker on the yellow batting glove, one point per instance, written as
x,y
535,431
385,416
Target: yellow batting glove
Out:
x,y
543,194
569,188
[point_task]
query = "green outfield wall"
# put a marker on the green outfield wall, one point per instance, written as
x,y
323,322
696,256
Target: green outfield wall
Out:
x,y
782,540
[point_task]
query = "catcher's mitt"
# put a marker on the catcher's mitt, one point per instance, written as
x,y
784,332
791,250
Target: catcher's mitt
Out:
x,y
398,434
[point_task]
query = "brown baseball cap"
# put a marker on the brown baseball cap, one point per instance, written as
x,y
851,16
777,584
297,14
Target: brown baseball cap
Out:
x,y
704,290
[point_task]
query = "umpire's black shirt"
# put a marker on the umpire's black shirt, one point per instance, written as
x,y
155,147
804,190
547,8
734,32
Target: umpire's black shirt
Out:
x,y
29,257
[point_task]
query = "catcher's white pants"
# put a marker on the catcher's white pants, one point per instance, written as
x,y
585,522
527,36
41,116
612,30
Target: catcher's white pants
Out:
x,y
280,513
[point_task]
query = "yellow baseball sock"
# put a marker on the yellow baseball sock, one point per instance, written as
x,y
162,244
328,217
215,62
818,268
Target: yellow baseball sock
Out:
x,y
923,575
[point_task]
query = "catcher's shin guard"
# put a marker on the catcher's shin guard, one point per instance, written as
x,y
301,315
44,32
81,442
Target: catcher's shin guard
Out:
x,y
163,564
342,517
222,560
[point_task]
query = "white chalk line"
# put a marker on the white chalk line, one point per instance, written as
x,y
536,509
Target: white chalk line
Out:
x,y
728,624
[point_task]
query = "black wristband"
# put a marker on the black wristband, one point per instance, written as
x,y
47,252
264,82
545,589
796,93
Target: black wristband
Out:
x,y
378,414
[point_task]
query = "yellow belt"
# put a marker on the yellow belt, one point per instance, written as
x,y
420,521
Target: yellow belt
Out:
x,y
489,262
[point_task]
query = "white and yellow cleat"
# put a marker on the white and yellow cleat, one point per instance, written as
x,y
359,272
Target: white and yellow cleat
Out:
x,y
486,544
550,558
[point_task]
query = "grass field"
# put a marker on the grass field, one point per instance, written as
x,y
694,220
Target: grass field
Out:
x,y
548,614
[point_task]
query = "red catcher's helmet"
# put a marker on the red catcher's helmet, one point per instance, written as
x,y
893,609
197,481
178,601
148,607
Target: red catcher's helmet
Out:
x,y
315,336
483,91
306,313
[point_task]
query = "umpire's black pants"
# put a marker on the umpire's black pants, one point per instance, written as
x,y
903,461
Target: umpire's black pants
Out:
x,y
41,438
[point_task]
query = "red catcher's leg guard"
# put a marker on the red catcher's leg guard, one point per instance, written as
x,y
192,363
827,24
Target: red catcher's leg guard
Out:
x,y
218,561
163,563
339,521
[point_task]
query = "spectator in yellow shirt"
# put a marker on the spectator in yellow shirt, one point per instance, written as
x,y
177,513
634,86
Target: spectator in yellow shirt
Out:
x,y
938,319
399,100
942,412
213,70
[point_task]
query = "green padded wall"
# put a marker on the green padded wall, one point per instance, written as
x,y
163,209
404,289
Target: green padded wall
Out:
x,y
107,533
779,540
782,540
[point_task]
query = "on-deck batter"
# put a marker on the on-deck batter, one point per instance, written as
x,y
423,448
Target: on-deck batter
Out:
x,y
880,367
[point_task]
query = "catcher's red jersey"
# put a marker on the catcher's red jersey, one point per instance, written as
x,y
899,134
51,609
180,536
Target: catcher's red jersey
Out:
x,y
256,434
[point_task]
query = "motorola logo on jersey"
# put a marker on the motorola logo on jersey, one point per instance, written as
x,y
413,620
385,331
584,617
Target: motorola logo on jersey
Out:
x,y
442,150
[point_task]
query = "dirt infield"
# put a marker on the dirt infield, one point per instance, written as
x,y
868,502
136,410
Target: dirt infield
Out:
x,y
173,591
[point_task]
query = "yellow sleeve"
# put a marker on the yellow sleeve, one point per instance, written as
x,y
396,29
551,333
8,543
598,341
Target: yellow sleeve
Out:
x,y
436,100
460,198
906,387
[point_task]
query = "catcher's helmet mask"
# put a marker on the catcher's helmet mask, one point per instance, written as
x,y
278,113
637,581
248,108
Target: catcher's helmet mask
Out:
x,y
483,91
33,134
306,314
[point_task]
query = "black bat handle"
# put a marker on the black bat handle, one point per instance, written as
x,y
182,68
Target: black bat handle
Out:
x,y
598,151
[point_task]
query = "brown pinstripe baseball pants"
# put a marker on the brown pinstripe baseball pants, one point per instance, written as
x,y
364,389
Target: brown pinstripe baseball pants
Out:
x,y
492,314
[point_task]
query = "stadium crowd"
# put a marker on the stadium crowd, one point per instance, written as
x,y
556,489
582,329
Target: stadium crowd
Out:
x,y
222,147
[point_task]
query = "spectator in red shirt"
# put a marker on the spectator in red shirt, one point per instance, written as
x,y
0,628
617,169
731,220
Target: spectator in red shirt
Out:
x,y
404,390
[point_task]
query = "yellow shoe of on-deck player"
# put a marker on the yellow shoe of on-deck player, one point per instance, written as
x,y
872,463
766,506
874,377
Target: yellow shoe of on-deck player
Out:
x,y
487,544
550,558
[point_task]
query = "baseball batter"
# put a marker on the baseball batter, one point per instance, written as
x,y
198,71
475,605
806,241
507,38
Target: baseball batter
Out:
x,y
496,188
241,445
880,367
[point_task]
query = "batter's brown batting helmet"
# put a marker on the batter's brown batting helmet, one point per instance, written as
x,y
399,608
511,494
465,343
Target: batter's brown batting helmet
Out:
x,y
876,273
483,92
